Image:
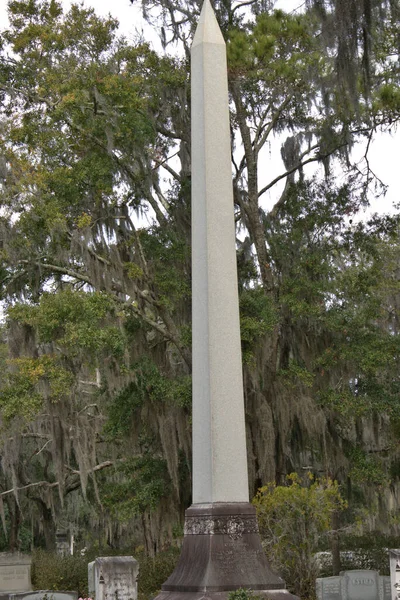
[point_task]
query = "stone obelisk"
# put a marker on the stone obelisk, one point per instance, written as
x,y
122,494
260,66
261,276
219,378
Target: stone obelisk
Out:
x,y
222,549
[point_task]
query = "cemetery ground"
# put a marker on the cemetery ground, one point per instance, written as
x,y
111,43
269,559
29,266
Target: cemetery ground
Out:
x,y
51,571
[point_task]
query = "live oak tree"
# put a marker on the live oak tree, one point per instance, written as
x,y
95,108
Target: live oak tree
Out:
x,y
95,257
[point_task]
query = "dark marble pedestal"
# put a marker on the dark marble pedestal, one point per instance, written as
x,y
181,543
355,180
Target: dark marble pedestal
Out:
x,y
222,552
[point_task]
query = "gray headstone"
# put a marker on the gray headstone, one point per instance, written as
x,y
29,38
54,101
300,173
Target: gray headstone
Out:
x,y
91,580
386,588
394,558
329,588
62,543
115,578
45,595
361,585
15,572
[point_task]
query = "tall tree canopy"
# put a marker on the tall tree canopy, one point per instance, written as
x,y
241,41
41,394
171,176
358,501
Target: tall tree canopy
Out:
x,y
95,259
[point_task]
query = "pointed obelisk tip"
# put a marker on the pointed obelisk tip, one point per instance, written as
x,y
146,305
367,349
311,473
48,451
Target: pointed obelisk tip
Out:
x,y
208,31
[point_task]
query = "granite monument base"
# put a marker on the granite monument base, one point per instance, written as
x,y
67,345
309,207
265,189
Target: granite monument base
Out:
x,y
221,553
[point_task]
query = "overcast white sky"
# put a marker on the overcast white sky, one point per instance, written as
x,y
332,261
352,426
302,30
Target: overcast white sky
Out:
x,y
384,152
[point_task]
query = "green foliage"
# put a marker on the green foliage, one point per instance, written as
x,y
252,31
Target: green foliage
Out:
x,y
242,594
170,255
139,485
367,469
99,304
277,54
25,538
149,385
367,551
258,317
79,321
295,375
50,571
20,395
155,571
292,520
364,344
362,551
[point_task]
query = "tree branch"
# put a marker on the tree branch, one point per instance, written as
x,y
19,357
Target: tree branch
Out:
x,y
171,171
295,168
63,270
14,490
258,144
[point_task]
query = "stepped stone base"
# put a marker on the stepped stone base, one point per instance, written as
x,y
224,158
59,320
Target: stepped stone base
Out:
x,y
221,553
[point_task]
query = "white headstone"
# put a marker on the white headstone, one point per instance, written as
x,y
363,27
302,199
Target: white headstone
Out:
x,y
219,440
113,578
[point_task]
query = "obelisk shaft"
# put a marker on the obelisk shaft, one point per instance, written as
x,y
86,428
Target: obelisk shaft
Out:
x,y
219,439
221,549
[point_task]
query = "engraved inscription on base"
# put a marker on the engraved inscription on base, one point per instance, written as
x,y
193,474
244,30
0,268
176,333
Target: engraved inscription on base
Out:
x,y
233,525
236,557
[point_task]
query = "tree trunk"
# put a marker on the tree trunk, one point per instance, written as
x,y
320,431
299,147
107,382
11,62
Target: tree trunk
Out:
x,y
251,206
15,522
49,529
335,544
47,524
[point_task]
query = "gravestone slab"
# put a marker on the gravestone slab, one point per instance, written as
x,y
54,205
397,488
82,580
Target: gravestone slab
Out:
x,y
91,581
15,572
361,585
62,543
386,588
394,558
329,588
355,585
114,578
44,595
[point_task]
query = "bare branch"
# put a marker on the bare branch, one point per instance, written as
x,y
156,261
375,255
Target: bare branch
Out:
x,y
48,485
58,269
161,197
318,157
248,3
259,143
171,171
43,447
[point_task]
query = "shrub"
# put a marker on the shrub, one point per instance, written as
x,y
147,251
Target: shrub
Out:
x,y
363,551
51,571
292,519
242,594
154,571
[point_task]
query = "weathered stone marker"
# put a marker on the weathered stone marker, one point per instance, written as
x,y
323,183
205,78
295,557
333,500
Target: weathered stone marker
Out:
x,y
361,585
394,558
15,572
329,588
45,595
62,543
222,549
113,578
354,585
